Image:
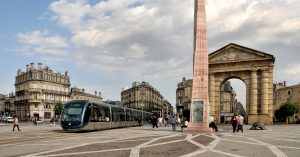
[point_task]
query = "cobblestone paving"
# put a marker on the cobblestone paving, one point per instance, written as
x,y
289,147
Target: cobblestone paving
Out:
x,y
45,141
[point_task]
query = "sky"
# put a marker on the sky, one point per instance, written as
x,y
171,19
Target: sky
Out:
x,y
106,45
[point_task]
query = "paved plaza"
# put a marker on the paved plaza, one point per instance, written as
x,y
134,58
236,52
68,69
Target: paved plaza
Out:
x,y
43,140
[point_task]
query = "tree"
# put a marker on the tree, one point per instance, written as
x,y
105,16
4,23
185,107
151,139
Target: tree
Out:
x,y
147,109
287,110
186,113
58,108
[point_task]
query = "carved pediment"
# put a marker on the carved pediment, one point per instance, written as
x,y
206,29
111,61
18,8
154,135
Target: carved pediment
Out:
x,y
237,53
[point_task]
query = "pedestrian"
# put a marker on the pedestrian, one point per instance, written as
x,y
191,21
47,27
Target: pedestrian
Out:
x,y
139,121
34,121
185,124
16,123
52,121
241,123
166,121
173,122
234,122
154,122
178,121
160,122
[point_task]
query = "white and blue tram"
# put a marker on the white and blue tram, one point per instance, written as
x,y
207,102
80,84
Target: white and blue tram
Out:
x,y
83,115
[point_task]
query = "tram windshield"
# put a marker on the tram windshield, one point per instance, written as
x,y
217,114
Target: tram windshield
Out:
x,y
72,112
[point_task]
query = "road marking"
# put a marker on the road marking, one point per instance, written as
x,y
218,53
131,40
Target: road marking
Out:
x,y
274,149
78,153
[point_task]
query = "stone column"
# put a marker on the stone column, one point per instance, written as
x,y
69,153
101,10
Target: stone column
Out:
x,y
271,92
265,92
212,94
253,93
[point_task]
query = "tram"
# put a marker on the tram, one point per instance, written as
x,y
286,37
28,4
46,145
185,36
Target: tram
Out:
x,y
83,115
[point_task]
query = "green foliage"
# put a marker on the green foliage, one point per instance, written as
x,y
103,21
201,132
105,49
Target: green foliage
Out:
x,y
58,108
186,113
286,110
147,109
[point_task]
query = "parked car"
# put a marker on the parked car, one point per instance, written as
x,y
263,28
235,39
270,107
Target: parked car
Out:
x,y
7,119
10,120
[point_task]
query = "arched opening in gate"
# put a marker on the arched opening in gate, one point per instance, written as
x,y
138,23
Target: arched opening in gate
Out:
x,y
232,99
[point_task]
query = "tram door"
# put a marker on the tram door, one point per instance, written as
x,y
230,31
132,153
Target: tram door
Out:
x,y
93,118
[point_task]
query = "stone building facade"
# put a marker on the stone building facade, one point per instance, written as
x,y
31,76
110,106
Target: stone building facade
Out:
x,y
184,94
227,104
80,94
38,90
142,95
9,107
284,93
167,108
2,100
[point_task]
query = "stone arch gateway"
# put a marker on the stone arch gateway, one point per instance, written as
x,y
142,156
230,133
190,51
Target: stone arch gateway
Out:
x,y
254,68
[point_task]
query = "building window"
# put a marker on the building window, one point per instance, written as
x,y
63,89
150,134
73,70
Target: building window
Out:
x,y
47,115
36,105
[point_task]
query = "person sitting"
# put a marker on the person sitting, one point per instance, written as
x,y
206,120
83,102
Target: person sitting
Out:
x,y
185,124
213,125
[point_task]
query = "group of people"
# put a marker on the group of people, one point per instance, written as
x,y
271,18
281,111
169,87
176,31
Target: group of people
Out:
x,y
237,122
164,122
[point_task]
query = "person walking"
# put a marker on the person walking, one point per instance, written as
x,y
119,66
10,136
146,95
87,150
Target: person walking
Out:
x,y
185,124
139,119
178,121
234,122
154,122
166,121
16,123
160,121
34,121
52,122
173,122
241,123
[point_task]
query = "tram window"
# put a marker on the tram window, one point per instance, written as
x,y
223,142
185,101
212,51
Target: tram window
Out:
x,y
122,115
115,115
104,114
94,114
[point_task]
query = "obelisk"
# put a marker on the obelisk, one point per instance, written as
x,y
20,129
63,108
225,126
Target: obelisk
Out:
x,y
200,104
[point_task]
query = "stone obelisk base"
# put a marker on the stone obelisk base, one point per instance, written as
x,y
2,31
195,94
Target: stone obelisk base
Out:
x,y
198,128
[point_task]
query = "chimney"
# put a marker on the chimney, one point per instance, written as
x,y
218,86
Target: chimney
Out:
x,y
27,68
99,94
284,83
134,84
31,66
95,93
40,66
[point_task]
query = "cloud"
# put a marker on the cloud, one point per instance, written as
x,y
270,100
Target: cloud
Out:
x,y
153,40
42,43
136,35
